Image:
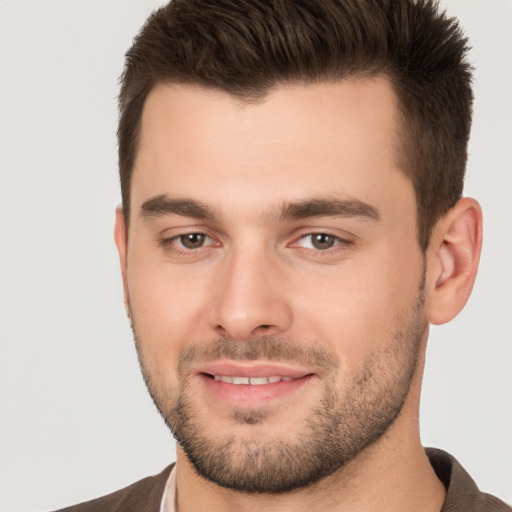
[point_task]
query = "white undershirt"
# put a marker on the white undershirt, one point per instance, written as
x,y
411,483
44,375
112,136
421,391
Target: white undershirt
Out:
x,y
168,499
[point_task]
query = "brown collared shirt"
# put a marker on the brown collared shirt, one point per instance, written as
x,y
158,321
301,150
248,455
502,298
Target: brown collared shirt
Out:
x,y
156,493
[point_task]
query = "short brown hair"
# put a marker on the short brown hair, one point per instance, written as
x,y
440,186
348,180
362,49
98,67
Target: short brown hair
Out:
x,y
245,47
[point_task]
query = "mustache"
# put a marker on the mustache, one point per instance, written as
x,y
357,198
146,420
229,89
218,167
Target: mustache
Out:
x,y
268,348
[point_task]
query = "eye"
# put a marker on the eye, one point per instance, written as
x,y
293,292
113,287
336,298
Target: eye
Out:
x,y
192,240
320,241
189,241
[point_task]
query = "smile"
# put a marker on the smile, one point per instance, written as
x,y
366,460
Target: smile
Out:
x,y
251,381
252,384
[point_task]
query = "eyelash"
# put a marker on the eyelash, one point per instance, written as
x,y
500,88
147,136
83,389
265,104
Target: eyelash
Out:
x,y
339,243
167,243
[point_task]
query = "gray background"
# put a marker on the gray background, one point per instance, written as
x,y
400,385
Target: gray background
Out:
x,y
76,421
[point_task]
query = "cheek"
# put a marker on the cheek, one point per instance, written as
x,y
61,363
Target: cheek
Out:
x,y
168,304
360,307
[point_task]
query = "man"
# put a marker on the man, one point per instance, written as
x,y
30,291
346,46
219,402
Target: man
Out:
x,y
292,222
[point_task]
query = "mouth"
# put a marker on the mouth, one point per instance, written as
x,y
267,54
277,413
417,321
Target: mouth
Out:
x,y
252,385
250,381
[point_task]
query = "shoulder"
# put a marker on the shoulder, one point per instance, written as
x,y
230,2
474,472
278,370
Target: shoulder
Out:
x,y
142,496
462,493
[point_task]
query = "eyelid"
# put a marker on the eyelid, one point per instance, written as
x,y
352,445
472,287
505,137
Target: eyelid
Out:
x,y
167,241
214,241
339,241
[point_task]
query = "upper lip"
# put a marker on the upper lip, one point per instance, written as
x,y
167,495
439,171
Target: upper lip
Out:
x,y
252,369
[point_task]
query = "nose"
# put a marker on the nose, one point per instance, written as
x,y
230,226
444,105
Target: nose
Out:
x,y
251,299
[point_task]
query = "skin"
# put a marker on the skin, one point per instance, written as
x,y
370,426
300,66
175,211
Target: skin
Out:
x,y
258,274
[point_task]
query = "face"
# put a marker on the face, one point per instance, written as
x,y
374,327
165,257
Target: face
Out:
x,y
273,277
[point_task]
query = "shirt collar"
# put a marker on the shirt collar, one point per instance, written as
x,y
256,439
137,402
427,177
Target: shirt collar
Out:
x,y
169,497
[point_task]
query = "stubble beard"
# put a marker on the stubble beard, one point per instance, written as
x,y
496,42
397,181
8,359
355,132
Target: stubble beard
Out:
x,y
339,428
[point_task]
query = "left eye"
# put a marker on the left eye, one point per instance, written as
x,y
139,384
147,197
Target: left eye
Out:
x,y
193,240
319,241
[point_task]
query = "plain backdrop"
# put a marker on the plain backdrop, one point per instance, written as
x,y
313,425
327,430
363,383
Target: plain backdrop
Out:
x,y
76,421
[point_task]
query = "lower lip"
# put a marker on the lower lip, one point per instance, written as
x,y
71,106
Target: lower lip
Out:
x,y
252,396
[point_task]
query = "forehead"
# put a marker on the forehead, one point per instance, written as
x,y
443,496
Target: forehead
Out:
x,y
324,138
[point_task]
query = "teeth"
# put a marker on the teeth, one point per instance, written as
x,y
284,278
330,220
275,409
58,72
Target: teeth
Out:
x,y
253,381
240,380
256,381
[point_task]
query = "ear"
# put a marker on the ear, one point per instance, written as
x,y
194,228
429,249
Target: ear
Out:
x,y
454,253
122,249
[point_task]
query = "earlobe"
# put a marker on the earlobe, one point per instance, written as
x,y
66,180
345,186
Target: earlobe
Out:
x,y
454,254
122,250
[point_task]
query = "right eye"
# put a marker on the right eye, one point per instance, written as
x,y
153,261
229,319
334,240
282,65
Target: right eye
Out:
x,y
192,240
189,241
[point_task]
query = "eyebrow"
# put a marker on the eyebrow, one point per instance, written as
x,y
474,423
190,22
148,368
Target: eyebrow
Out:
x,y
162,205
329,208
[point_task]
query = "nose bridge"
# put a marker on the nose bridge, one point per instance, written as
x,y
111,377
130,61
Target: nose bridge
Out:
x,y
250,300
